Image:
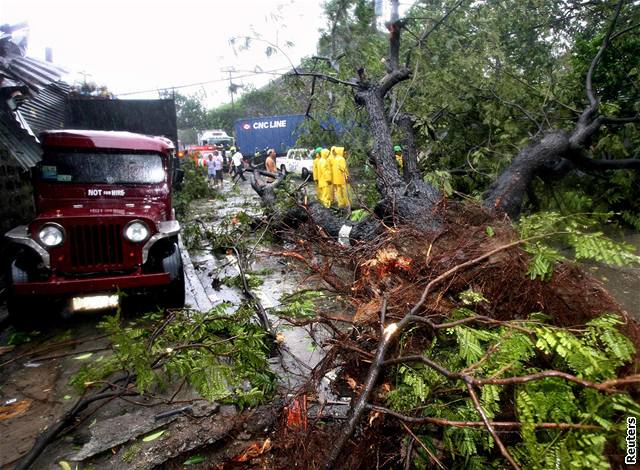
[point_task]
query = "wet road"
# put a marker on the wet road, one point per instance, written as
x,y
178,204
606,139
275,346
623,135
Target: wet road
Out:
x,y
35,371
34,375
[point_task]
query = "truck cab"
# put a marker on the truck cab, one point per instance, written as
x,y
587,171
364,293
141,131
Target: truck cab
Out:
x,y
104,224
216,137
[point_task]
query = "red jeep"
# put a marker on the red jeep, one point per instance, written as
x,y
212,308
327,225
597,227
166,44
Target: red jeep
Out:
x,y
104,224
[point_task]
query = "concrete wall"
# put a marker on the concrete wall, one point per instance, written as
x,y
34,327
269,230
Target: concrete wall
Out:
x,y
16,194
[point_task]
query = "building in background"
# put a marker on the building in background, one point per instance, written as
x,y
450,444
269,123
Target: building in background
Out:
x,y
32,98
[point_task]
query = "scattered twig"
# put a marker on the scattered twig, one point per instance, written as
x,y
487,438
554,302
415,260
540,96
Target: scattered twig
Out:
x,y
503,450
246,290
53,346
426,449
607,386
52,431
67,354
391,332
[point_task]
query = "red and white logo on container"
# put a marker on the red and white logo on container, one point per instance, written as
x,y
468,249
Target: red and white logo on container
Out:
x,y
246,126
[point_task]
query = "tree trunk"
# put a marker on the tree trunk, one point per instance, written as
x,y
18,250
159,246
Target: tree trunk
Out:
x,y
388,179
507,193
416,186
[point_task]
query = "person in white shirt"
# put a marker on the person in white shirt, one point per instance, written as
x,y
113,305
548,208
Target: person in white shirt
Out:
x,y
237,159
217,164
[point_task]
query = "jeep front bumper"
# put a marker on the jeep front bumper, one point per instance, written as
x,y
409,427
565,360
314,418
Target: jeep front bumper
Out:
x,y
60,286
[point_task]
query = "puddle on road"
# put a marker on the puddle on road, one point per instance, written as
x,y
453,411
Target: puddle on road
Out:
x,y
623,282
299,351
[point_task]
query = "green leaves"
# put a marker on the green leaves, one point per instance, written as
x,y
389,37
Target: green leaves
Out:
x,y
595,352
597,247
570,231
300,304
153,436
218,354
441,179
469,342
194,459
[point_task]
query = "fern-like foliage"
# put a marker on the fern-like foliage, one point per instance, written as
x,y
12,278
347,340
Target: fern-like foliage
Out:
x,y
571,232
223,357
595,352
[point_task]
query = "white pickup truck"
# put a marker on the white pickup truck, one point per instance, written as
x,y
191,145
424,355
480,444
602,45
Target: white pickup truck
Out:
x,y
297,161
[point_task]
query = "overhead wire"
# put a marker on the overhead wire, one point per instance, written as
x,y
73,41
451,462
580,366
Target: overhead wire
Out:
x,y
177,87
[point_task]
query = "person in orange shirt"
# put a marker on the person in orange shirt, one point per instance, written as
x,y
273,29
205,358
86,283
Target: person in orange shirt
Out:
x,y
270,163
340,177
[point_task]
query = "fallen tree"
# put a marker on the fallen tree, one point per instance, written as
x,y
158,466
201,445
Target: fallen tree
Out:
x,y
445,313
450,337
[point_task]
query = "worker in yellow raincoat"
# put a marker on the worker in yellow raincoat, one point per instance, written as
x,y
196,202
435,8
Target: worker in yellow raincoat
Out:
x,y
331,158
340,177
316,160
324,179
397,150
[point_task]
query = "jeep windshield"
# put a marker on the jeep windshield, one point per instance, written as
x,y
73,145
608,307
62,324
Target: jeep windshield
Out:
x,y
102,167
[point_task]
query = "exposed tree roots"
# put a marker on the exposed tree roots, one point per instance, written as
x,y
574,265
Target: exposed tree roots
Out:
x,y
411,278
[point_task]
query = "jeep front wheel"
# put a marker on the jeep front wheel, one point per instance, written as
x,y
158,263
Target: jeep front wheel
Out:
x,y
173,294
23,311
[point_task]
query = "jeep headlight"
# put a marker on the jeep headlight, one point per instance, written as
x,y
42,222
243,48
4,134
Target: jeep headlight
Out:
x,y
51,235
136,231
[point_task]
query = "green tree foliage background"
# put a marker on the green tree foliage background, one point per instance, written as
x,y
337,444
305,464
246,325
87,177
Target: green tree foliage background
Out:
x,y
488,81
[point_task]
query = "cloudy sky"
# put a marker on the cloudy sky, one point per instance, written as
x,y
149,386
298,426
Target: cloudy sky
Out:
x,y
136,45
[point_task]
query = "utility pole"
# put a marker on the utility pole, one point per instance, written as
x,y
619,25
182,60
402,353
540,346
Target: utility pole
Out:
x,y
84,76
395,14
394,41
231,88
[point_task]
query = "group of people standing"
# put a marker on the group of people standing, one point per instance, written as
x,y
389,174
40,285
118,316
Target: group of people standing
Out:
x,y
330,172
217,163
331,176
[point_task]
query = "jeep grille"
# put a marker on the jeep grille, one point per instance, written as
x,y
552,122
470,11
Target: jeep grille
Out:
x,y
96,245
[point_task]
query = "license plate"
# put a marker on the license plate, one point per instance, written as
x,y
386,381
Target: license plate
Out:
x,y
94,302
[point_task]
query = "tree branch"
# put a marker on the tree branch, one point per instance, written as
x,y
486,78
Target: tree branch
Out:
x,y
392,79
503,450
391,332
593,102
480,424
607,386
332,61
322,76
587,163
425,35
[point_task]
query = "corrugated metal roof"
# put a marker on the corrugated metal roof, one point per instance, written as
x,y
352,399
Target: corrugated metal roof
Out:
x,y
46,109
42,104
34,73
21,144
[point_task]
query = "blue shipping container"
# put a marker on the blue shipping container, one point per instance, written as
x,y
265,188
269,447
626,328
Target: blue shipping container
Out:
x,y
277,132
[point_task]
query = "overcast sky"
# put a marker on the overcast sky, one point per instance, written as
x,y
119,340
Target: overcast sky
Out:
x,y
134,45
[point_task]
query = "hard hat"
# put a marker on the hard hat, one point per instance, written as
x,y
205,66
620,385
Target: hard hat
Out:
x,y
233,149
318,150
397,148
